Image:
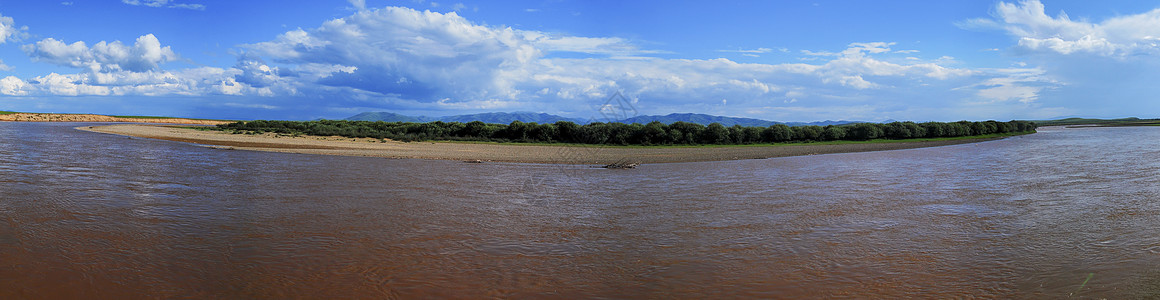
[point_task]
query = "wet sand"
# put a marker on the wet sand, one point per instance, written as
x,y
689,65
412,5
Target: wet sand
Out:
x,y
491,151
35,117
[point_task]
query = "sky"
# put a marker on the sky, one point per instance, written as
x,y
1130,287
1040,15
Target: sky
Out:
x,y
773,60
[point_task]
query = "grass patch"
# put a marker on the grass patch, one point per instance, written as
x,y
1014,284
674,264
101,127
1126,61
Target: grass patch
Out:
x,y
142,117
208,128
157,117
6,112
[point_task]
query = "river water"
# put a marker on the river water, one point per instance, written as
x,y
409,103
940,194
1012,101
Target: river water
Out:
x,y
1061,213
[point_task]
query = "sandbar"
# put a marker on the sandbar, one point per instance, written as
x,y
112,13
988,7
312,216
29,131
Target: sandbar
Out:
x,y
37,117
494,152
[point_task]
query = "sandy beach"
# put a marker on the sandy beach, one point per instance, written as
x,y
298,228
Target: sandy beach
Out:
x,y
35,117
490,151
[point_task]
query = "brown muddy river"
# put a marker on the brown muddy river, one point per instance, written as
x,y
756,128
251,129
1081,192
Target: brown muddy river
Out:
x,y
1062,213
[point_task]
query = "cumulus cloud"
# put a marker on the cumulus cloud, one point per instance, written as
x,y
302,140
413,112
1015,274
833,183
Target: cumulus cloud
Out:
x,y
400,51
442,62
144,55
1007,89
856,62
164,4
9,31
448,61
1127,35
12,86
1023,85
257,73
358,4
188,82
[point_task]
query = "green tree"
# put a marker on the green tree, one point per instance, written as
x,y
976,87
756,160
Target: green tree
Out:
x,y
567,132
777,133
544,133
517,131
833,133
690,133
736,134
715,134
934,129
864,131
807,133
753,135
656,133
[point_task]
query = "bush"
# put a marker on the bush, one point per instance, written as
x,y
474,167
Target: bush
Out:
x,y
653,133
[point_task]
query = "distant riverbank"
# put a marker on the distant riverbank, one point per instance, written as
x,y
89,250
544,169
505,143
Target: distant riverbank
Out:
x,y
526,153
37,117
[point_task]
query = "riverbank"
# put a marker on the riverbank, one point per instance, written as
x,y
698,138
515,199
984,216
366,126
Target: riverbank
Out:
x,y
37,117
535,153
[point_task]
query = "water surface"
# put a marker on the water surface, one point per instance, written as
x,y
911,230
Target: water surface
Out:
x,y
88,215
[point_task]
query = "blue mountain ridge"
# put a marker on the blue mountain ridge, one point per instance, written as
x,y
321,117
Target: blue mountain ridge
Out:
x,y
527,117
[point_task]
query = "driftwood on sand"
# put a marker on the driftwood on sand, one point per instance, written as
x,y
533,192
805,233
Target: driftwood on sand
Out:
x,y
623,163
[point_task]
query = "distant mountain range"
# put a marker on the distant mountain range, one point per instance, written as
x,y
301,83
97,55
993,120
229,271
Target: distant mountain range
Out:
x,y
496,117
505,118
704,119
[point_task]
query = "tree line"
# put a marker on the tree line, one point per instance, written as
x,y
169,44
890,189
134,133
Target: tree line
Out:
x,y
654,133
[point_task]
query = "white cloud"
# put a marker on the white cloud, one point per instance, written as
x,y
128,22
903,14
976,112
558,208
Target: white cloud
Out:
x,y
1016,84
9,31
164,4
1119,36
117,69
68,85
358,4
752,51
257,73
1007,89
819,53
439,55
852,64
446,59
424,60
563,43
188,6
144,55
188,82
12,86
258,106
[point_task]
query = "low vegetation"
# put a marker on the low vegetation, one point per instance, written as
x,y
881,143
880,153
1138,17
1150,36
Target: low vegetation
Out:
x,y
142,117
654,133
1100,122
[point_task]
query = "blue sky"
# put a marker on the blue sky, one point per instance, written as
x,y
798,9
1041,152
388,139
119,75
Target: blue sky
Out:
x,y
775,60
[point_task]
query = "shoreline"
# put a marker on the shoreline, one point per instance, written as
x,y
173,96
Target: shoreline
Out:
x,y
548,154
48,117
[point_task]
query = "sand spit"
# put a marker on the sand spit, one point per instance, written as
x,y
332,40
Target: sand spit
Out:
x,y
34,117
484,152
